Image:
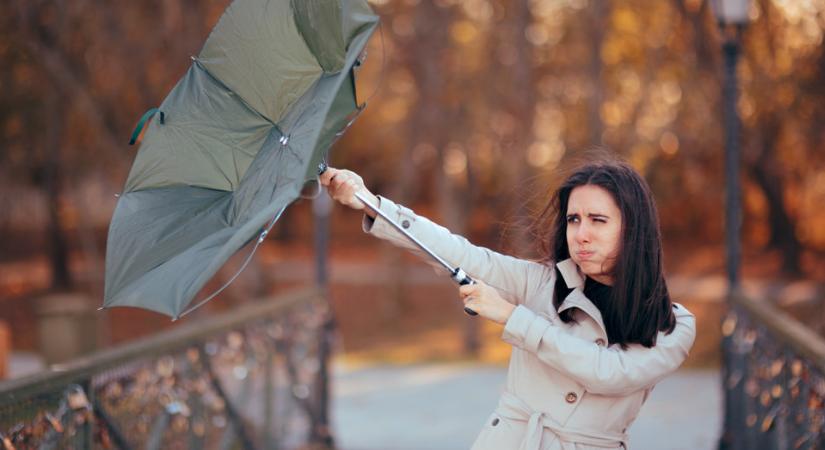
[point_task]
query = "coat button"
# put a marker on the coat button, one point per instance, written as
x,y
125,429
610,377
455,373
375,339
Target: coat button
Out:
x,y
571,397
495,421
405,224
600,342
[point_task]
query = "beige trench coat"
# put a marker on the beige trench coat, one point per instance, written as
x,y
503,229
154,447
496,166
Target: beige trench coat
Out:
x,y
565,388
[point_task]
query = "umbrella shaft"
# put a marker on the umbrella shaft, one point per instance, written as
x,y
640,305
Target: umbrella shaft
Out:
x,y
456,273
405,233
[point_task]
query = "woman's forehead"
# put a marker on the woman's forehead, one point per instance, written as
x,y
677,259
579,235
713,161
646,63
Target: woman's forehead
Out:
x,y
591,198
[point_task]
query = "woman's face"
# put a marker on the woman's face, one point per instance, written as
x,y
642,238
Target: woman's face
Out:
x,y
594,228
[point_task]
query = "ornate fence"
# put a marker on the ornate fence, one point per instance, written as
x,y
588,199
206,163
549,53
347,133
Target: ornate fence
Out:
x,y
774,380
254,378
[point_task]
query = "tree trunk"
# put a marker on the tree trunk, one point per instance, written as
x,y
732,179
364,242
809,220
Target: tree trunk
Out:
x,y
520,103
52,180
598,20
783,229
766,172
433,121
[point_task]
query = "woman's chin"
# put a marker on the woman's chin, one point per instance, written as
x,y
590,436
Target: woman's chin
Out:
x,y
593,270
590,268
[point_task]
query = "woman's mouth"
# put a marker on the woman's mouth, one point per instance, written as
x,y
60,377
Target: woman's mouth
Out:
x,y
584,255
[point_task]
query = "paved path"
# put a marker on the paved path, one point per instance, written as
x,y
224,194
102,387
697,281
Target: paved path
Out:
x,y
442,407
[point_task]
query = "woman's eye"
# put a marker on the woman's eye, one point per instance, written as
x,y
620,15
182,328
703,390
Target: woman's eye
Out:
x,y
572,219
599,219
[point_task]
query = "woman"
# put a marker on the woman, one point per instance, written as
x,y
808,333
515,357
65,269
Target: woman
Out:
x,y
591,323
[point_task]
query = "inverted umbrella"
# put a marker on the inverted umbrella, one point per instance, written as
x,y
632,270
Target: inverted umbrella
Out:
x,y
238,137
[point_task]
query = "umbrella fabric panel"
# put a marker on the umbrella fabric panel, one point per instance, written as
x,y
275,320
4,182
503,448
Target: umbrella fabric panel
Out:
x,y
257,51
304,125
208,139
319,22
151,227
341,112
294,161
275,168
325,110
169,288
356,17
147,269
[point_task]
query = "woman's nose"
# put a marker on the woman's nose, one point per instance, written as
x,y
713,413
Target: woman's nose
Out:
x,y
583,233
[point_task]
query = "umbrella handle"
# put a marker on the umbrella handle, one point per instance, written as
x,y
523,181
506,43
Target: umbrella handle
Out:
x,y
463,279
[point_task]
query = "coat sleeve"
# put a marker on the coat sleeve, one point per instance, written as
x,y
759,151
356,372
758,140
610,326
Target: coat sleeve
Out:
x,y
605,371
513,277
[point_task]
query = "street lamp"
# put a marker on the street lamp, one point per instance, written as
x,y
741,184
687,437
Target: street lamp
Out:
x,y
731,12
732,17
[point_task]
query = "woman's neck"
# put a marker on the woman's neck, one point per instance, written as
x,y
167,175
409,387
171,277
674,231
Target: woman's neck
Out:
x,y
601,279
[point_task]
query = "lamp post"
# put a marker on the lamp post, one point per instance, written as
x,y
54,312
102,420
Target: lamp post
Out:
x,y
732,17
321,209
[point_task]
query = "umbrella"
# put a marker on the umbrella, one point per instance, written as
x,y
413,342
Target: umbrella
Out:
x,y
238,137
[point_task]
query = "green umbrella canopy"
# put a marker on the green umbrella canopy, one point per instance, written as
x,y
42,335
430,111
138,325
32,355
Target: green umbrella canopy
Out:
x,y
239,136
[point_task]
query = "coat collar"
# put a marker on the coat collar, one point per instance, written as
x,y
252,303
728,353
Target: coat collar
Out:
x,y
576,299
571,274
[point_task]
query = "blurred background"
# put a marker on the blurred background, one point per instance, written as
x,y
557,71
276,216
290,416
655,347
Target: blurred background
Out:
x,y
474,110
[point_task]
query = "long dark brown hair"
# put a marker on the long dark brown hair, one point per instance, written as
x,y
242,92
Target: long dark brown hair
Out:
x,y
639,305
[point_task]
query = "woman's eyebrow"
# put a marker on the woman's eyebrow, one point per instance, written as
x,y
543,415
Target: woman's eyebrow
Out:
x,y
597,215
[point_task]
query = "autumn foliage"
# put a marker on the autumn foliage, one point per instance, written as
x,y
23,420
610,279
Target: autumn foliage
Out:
x,y
473,107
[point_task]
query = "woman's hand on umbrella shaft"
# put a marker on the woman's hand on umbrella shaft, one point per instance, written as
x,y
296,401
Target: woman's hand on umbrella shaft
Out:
x,y
342,185
486,301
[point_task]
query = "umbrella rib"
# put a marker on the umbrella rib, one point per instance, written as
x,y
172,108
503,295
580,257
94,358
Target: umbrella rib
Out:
x,y
200,65
260,239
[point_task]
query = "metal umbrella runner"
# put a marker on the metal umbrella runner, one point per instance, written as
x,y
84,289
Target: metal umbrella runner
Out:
x,y
238,137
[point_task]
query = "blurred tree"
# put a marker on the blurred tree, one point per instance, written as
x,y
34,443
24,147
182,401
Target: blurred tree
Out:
x,y
475,99
783,57
82,71
641,78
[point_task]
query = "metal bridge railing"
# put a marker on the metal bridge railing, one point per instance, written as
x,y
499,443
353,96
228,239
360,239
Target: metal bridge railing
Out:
x,y
774,380
254,378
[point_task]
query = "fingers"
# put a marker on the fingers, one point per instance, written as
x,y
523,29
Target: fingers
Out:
x,y
337,178
476,289
473,303
486,302
474,296
344,189
342,185
327,176
341,175
342,181
468,290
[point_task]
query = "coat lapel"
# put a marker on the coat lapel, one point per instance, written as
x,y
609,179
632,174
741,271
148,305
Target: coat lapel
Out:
x,y
570,273
576,299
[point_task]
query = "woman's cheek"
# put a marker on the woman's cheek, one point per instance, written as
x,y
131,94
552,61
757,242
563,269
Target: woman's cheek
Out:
x,y
613,255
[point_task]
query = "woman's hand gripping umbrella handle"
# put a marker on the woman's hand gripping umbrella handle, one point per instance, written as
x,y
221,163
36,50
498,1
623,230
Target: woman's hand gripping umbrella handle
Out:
x,y
463,279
